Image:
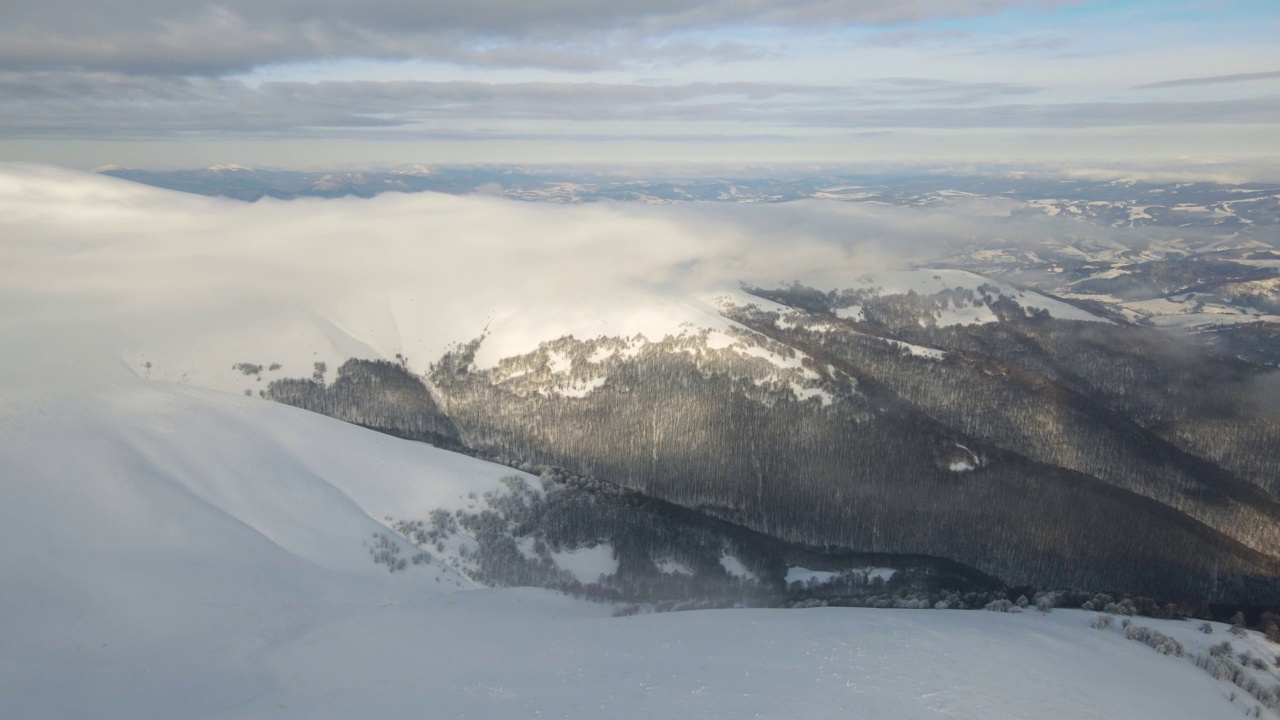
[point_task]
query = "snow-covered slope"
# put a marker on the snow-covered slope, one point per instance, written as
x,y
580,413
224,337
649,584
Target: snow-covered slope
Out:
x,y
520,655
155,539
174,552
929,282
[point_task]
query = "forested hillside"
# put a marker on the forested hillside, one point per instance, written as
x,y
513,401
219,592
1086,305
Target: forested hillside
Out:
x,y
1039,450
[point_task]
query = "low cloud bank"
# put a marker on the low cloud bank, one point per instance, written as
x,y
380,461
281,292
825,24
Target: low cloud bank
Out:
x,y
107,274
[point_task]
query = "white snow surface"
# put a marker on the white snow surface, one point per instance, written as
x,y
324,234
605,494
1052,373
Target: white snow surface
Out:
x,y
885,574
805,393
674,567
734,567
588,564
170,551
820,577
917,350
805,575
932,281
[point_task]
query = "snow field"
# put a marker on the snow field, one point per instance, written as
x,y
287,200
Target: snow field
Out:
x,y
520,654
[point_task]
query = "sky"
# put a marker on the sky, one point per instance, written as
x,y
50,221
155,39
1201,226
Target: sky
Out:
x,y
321,83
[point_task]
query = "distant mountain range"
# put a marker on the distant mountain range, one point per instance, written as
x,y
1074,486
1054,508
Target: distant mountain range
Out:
x,y
1227,208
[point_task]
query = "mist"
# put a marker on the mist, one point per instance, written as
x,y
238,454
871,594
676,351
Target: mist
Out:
x,y
118,276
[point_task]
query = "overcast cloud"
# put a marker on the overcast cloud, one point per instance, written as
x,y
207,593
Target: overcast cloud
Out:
x,y
160,36
251,75
1213,80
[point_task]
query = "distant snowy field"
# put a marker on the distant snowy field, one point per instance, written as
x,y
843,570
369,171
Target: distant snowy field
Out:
x,y
171,551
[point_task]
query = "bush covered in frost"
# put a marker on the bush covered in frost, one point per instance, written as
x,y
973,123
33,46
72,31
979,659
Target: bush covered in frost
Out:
x,y
1162,643
1002,605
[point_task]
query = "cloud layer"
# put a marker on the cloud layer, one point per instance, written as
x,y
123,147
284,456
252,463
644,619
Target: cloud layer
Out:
x,y
131,107
684,72
105,269
236,35
70,104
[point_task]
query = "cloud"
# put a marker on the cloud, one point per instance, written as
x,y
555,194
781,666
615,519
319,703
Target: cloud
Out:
x,y
965,41
1261,110
1211,80
61,104
915,36
945,91
602,56
186,37
96,271
184,280
115,105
